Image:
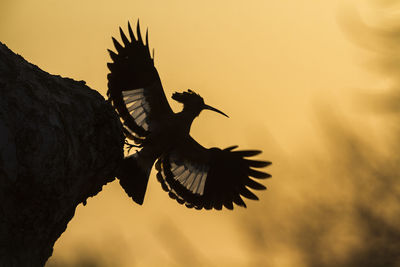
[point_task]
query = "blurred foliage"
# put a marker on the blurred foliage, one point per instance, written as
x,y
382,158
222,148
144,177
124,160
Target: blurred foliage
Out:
x,y
353,218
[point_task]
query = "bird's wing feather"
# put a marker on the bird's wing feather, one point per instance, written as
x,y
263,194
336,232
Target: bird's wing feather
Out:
x,y
134,86
209,178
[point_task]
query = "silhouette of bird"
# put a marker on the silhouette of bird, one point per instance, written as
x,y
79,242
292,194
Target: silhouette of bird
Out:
x,y
193,175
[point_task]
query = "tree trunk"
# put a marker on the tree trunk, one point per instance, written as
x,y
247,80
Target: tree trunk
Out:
x,y
60,142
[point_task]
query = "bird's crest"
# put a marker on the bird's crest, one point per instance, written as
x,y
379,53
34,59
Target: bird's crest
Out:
x,y
188,96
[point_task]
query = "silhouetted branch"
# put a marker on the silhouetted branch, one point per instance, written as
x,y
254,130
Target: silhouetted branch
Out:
x,y
60,142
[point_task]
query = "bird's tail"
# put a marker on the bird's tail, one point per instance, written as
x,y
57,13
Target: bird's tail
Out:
x,y
133,176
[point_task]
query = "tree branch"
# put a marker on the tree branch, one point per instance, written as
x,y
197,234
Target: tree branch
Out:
x,y
60,142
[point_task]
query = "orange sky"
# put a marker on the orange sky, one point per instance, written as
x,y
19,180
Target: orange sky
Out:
x,y
273,66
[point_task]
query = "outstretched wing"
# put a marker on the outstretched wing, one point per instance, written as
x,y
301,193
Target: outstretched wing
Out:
x,y
209,178
134,86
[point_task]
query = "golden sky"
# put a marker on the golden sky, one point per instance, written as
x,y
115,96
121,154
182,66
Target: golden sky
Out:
x,y
287,72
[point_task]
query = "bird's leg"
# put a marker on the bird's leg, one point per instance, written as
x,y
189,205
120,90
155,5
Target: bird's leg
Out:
x,y
130,146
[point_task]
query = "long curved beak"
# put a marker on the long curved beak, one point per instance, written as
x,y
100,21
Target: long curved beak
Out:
x,y
214,109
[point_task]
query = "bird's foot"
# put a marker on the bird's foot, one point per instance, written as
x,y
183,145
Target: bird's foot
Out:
x,y
130,146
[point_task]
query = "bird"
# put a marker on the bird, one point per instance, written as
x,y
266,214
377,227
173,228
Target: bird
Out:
x,y
195,176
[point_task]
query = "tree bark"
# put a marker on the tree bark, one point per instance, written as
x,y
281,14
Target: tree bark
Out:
x,y
60,142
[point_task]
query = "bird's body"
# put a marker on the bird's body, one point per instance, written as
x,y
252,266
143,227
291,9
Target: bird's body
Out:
x,y
192,174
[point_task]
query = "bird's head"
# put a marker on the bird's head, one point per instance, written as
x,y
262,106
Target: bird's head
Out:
x,y
193,102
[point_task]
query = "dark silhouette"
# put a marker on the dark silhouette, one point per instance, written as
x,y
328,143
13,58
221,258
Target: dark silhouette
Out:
x,y
193,175
60,142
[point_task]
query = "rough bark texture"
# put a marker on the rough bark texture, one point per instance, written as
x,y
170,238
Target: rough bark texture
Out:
x,y
60,142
